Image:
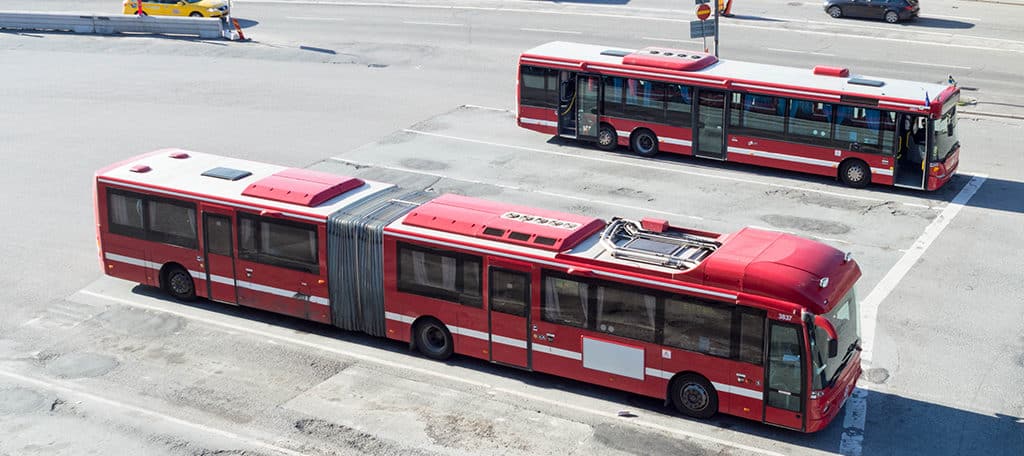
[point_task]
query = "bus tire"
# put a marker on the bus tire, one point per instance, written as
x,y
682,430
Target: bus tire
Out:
x,y
694,396
178,283
855,173
433,339
607,138
644,143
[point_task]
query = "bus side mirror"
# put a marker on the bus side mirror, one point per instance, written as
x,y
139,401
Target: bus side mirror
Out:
x,y
833,339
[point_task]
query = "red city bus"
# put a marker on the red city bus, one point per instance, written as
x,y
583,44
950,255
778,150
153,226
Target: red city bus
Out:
x,y
757,324
823,121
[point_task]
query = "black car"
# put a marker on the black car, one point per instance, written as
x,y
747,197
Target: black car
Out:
x,y
892,11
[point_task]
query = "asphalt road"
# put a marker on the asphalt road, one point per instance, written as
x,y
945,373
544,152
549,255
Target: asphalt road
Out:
x,y
91,365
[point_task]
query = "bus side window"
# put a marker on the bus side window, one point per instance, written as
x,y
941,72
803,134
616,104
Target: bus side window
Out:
x,y
565,301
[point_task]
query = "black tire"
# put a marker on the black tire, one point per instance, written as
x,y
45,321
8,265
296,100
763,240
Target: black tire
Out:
x,y
835,12
855,173
196,14
434,340
607,138
644,143
178,283
892,17
694,396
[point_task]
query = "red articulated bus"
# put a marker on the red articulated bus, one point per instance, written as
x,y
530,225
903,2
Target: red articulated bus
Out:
x,y
757,324
823,121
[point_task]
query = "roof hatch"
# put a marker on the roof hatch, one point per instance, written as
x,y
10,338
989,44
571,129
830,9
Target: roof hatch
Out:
x,y
670,59
302,187
537,228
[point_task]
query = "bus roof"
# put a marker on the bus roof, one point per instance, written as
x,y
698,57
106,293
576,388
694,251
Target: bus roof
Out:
x,y
758,262
241,183
830,83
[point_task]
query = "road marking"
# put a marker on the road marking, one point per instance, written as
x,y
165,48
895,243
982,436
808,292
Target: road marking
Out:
x,y
569,32
442,24
72,390
305,18
512,187
939,65
270,337
800,52
663,167
659,18
850,444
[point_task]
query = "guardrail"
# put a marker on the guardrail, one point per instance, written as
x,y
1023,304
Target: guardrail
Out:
x,y
109,24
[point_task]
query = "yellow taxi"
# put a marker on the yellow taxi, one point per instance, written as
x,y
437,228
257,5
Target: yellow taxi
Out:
x,y
194,8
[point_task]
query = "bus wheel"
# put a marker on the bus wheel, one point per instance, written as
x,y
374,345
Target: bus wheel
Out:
x,y
179,283
693,396
607,138
433,339
645,143
855,173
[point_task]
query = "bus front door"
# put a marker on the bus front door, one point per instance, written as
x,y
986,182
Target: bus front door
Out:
x,y
218,254
508,314
709,130
784,385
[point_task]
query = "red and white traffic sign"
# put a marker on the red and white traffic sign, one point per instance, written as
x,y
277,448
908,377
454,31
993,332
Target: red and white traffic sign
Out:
x,y
703,11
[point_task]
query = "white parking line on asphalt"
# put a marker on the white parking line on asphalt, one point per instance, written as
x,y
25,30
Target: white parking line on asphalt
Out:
x,y
78,392
791,51
664,167
440,24
938,65
851,441
305,18
568,32
269,336
512,187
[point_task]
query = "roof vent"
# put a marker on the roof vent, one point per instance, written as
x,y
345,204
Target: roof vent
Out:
x,y
140,169
866,82
227,173
615,53
670,59
838,72
178,155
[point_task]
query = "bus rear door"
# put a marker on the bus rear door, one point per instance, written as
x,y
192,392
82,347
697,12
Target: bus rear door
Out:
x,y
218,253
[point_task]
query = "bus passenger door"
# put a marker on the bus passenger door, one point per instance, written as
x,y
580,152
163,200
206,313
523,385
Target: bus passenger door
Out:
x,y
508,314
218,254
588,94
709,130
784,378
567,104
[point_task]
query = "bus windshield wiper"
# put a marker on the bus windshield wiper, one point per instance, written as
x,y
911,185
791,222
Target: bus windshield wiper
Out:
x,y
846,358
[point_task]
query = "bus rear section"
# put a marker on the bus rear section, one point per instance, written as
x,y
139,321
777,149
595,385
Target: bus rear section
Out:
x,y
826,120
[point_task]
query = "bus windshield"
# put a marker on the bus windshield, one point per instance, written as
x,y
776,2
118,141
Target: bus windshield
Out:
x,y
944,139
844,317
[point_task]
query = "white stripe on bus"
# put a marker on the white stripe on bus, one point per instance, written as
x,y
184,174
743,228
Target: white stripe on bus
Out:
x,y
518,343
799,159
545,123
558,352
218,279
753,394
560,265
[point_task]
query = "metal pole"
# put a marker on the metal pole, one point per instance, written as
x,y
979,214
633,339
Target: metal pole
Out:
x,y
716,27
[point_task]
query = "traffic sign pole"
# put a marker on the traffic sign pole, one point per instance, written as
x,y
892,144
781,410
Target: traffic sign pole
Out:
x,y
716,27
